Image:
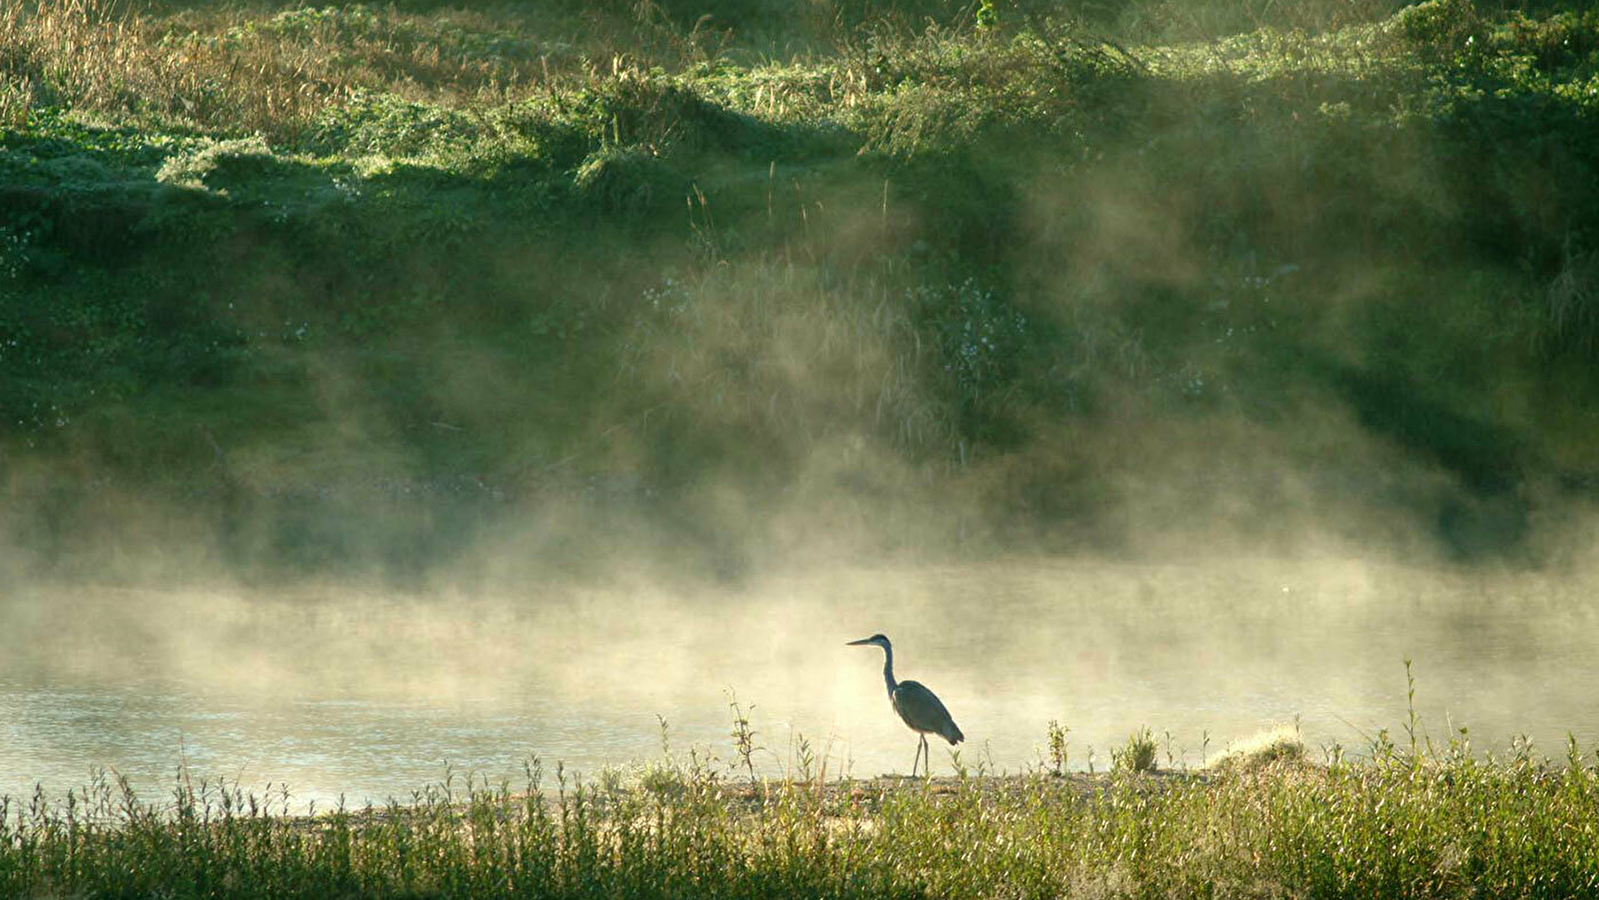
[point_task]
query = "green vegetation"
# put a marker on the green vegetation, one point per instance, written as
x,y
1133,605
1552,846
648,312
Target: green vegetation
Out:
x,y
1138,754
386,288
1439,822
525,291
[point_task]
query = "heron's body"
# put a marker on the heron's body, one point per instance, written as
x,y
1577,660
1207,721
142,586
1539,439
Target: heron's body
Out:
x,y
918,707
924,712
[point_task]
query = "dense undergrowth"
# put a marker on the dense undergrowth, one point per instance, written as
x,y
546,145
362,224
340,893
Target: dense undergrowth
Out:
x,y
1425,822
374,287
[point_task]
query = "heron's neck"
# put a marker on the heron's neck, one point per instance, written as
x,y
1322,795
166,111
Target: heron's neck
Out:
x,y
888,670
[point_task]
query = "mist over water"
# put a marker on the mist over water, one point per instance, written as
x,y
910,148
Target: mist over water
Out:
x,y
373,694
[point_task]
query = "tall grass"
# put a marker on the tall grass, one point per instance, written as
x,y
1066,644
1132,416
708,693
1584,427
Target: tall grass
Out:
x,y
237,70
1446,822
99,55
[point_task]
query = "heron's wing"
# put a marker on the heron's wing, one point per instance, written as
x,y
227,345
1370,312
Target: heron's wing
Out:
x,y
922,710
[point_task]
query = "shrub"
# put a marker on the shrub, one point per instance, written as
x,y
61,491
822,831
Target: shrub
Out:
x,y
1137,755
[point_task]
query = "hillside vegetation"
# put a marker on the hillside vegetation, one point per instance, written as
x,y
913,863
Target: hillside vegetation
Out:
x,y
718,283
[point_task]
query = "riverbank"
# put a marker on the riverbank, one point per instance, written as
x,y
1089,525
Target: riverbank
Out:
x,y
1428,822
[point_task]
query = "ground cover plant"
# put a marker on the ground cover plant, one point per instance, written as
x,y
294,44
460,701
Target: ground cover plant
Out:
x,y
1416,820
354,288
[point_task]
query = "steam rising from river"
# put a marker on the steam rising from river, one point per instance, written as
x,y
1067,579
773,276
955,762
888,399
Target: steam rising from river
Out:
x,y
303,686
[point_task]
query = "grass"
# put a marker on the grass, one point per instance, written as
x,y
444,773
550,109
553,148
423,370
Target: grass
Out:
x,y
1442,822
733,286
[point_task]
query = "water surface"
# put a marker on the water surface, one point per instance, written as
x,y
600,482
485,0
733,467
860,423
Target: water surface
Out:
x,y
372,695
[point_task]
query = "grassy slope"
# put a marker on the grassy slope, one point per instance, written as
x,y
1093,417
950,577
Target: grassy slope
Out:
x,y
267,277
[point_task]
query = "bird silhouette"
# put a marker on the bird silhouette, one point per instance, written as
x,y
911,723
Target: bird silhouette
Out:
x,y
917,706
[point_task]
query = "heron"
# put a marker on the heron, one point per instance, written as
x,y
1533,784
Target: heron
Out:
x,y
917,706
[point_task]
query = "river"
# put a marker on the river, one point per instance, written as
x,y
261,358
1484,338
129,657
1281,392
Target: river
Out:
x,y
333,690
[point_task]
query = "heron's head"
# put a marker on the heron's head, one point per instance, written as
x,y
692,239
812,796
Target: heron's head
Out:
x,y
880,640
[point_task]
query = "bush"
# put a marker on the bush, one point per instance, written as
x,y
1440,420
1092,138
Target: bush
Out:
x,y
1137,755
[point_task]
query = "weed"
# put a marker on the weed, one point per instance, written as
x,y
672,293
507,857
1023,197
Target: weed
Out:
x,y
1057,747
1280,747
744,737
1138,754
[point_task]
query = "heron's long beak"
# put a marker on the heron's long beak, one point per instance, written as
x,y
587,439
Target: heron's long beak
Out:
x,y
861,641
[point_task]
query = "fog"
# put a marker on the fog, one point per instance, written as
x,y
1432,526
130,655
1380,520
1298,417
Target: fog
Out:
x,y
372,694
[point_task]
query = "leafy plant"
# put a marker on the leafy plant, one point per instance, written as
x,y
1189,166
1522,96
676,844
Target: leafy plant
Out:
x,y
1138,754
1057,747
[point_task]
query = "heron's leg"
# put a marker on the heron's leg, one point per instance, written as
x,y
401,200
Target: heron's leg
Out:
x,y
927,759
915,759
